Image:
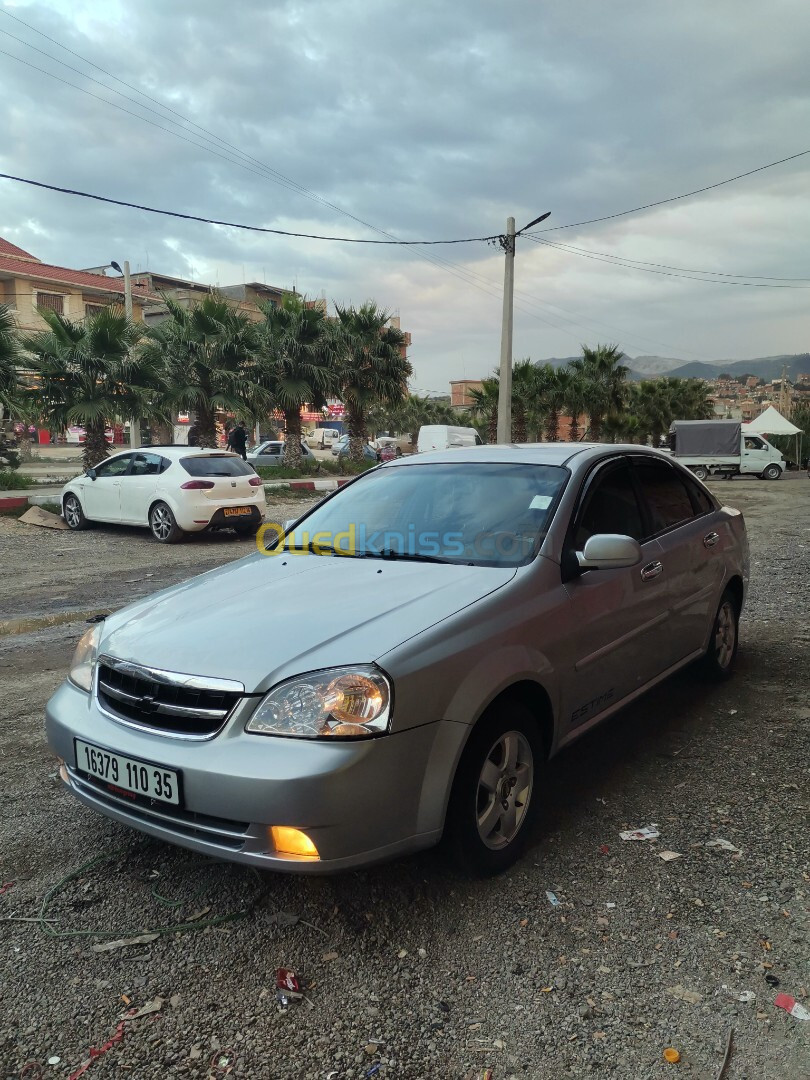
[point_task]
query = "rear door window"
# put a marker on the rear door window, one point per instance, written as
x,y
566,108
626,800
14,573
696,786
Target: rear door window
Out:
x,y
665,494
146,465
701,500
216,465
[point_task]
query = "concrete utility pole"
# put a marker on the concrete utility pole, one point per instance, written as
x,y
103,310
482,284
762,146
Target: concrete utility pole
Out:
x,y
505,383
507,242
135,421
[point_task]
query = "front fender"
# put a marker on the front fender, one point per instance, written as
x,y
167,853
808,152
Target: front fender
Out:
x,y
495,673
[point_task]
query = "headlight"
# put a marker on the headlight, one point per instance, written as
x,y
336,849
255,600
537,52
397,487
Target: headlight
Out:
x,y
336,703
84,659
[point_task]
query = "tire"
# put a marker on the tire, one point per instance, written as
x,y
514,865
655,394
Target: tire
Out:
x,y
718,661
773,472
482,836
163,526
701,472
73,513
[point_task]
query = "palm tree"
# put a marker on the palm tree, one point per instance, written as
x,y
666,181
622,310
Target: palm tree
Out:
x,y
555,388
10,361
484,408
651,401
373,369
525,391
208,354
88,374
298,360
605,380
576,402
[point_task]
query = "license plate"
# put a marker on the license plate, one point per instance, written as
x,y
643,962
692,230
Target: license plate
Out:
x,y
128,775
238,511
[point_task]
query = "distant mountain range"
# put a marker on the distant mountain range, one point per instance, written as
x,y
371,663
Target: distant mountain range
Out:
x,y
764,367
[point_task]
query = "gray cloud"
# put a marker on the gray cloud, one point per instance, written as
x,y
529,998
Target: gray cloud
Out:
x,y
429,121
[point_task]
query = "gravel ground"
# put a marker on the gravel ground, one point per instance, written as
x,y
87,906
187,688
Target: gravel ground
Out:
x,y
410,967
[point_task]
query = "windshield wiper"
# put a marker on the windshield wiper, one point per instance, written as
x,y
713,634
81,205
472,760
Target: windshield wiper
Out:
x,y
390,553
321,549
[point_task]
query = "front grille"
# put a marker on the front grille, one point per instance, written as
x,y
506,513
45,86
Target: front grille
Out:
x,y
219,831
163,701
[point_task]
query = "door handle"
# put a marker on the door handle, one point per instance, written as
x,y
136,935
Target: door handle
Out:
x,y
651,570
710,539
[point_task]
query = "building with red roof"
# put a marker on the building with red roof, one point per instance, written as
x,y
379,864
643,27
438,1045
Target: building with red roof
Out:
x,y
28,285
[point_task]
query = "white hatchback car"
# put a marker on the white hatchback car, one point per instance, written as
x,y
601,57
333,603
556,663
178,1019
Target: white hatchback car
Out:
x,y
170,489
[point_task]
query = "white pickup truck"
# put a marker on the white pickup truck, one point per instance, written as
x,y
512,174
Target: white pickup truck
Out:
x,y
724,447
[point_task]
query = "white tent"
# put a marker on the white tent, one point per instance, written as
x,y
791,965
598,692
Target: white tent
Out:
x,y
771,422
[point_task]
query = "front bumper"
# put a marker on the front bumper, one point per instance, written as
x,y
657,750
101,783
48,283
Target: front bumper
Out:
x,y
359,802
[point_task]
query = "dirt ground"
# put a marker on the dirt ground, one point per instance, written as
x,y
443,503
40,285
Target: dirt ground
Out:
x,y
410,968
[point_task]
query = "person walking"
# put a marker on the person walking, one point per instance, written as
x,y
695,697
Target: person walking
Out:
x,y
237,440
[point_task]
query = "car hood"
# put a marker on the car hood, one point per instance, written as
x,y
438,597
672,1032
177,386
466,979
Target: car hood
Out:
x,y
265,618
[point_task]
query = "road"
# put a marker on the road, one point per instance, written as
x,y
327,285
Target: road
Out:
x,y
409,966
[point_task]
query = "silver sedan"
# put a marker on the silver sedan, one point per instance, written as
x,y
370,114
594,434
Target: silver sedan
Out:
x,y
486,607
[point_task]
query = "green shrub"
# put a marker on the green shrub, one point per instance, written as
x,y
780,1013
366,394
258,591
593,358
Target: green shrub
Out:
x,y
10,480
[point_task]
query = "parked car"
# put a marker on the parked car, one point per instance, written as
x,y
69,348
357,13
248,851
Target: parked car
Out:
x,y
445,437
322,437
339,445
172,490
271,452
487,607
402,443
369,453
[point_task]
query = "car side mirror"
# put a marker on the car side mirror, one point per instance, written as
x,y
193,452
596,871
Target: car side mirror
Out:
x,y
609,551
91,473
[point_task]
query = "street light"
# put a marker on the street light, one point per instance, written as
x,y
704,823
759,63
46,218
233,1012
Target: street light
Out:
x,y
134,421
507,242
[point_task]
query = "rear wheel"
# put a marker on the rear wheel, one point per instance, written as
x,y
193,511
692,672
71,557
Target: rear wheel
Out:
x,y
701,472
163,525
718,661
773,472
74,515
494,798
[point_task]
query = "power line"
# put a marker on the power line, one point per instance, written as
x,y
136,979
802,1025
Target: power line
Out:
x,y
673,198
233,224
666,266
270,173
611,261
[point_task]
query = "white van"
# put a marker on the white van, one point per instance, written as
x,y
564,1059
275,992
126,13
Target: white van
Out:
x,y
444,437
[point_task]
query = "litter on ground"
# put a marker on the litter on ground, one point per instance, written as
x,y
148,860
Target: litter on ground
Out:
x,y
649,832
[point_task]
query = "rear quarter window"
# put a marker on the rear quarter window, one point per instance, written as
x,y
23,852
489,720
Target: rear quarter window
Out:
x,y
216,465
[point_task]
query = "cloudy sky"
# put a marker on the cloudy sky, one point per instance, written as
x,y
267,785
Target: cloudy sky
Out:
x,y
431,120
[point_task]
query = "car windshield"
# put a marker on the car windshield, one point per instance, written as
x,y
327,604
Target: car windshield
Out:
x,y
485,514
215,465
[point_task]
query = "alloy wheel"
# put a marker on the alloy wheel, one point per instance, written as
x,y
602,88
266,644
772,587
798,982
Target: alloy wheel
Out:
x,y
162,523
725,635
73,512
504,790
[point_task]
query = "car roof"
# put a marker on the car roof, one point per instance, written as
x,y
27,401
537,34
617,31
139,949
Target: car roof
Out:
x,y
175,451
560,453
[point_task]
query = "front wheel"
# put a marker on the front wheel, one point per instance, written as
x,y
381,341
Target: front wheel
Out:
x,y
718,660
163,526
74,515
773,472
494,798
